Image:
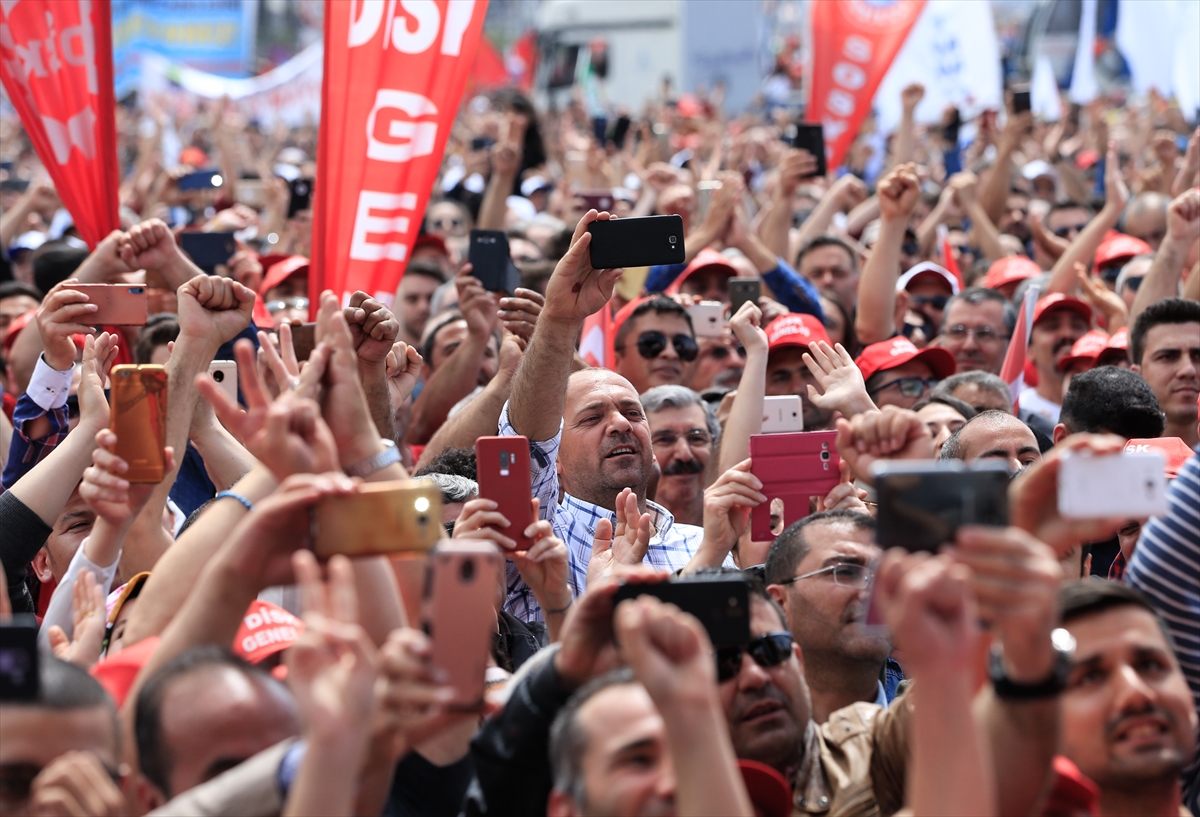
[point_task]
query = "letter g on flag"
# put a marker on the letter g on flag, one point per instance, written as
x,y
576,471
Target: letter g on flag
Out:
x,y
391,135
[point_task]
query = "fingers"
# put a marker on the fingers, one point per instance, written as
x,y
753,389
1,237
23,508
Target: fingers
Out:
x,y
602,538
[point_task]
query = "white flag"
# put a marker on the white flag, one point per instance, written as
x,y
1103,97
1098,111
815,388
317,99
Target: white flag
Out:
x,y
1083,78
1142,26
1043,91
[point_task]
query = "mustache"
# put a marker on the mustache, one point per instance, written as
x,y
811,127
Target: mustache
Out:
x,y
1116,723
681,467
745,701
619,442
1065,342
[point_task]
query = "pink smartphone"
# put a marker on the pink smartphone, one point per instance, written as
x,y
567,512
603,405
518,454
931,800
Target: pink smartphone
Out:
x,y
502,466
116,304
463,586
793,467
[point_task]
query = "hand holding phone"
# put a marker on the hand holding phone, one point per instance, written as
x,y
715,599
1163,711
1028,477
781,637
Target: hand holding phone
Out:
x,y
742,290
721,603
116,304
1126,485
379,518
491,261
811,137
793,468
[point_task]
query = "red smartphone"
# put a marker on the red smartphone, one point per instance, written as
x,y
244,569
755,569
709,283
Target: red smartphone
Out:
x,y
117,304
793,467
462,590
502,466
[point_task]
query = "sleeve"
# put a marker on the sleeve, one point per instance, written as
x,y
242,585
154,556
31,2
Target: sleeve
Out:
x,y
662,275
22,534
889,759
48,387
61,609
25,451
794,290
543,459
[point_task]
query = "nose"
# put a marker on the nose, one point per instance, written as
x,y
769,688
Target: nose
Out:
x,y
664,787
1132,694
669,351
618,423
750,674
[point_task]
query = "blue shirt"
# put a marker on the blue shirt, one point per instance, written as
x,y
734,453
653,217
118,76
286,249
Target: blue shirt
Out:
x,y
791,288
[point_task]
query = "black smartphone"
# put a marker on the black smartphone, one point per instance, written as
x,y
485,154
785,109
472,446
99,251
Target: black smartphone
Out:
x,y
482,143
637,242
491,263
1021,99
811,138
742,290
923,504
209,179
620,131
722,603
207,250
19,659
300,197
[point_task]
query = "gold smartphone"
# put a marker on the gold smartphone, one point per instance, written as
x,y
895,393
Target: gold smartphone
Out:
x,y
139,419
400,516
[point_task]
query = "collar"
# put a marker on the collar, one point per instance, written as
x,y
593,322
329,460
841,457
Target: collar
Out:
x,y
881,696
811,790
661,520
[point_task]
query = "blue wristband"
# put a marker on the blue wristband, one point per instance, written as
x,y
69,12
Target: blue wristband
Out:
x,y
223,494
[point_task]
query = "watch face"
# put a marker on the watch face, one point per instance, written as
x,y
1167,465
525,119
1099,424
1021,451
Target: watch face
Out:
x,y
1062,640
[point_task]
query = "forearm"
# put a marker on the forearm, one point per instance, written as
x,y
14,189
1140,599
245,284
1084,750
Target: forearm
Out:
x,y
862,215
327,781
927,230
775,226
494,204
706,771
374,382
46,488
539,390
993,189
905,142
23,357
875,320
1081,250
1074,185
948,773
103,544
746,416
1023,739
13,222
1191,287
819,219
697,240
759,254
453,381
987,236
1162,279
478,419
225,459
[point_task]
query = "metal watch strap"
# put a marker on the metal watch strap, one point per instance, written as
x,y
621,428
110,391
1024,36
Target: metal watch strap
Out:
x,y
389,455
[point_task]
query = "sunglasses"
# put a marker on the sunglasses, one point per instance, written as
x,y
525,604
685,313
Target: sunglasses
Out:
x,y
1133,283
1063,232
936,301
768,651
722,352
909,386
447,223
652,344
909,248
286,303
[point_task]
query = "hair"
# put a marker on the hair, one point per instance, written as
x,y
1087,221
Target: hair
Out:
x,y
11,289
54,261
194,515
677,397
459,462
1068,204
159,330
62,687
983,380
1091,597
569,741
463,209
827,241
1112,399
426,268
453,487
790,547
153,755
431,332
961,406
953,448
978,296
659,305
1168,310
850,335
439,295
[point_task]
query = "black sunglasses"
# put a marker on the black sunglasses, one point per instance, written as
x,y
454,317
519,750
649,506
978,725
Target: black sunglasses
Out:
x,y
768,651
722,352
936,301
652,344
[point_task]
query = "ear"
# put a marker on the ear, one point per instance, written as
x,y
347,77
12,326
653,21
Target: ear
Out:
x,y
144,795
1060,433
560,804
41,566
1135,368
778,593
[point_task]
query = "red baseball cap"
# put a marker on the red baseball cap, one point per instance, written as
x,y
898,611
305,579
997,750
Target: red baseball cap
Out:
x,y
1058,301
707,258
1174,450
795,329
1119,247
769,791
1007,270
265,630
888,354
928,268
1087,349
280,272
431,240
117,673
1117,348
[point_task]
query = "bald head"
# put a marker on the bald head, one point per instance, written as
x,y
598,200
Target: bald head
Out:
x,y
1146,217
993,435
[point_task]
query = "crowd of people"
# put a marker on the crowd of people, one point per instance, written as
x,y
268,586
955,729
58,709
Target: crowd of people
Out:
x,y
196,658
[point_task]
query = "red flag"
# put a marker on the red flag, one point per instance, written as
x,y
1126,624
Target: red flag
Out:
x,y
522,60
1012,371
948,259
854,43
56,65
596,339
394,75
489,70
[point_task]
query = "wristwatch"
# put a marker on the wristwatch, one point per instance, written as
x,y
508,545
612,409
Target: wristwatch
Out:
x,y
1064,649
364,468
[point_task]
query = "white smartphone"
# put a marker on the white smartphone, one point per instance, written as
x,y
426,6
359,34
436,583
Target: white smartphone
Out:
x,y
708,319
782,414
1124,485
224,372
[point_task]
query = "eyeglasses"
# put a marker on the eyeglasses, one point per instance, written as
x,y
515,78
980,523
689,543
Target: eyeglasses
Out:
x,y
768,651
1063,232
909,386
722,352
936,301
984,334
652,344
696,438
844,574
286,303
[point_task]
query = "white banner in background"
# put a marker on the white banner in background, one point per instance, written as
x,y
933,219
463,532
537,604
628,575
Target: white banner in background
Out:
x,y
1160,40
953,52
290,92
1187,60
1043,91
1083,78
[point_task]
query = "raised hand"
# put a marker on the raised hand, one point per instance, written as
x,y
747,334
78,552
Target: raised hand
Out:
x,y
373,328
842,385
727,506
213,310
891,434
107,492
849,191
519,312
477,305
545,566
99,355
76,783
845,496
899,192
149,245
620,554
668,650
576,289
63,312
413,706
911,97
1116,192
796,166
1183,217
1103,300
344,404
89,621
402,368
746,325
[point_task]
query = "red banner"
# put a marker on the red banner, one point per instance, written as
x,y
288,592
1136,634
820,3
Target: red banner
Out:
x,y
56,65
394,75
854,43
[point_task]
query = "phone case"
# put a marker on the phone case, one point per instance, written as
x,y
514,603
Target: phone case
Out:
x,y
598,200
708,319
502,466
922,504
742,290
224,373
721,603
399,516
118,304
636,242
139,419
462,585
491,262
782,414
793,468
304,340
1132,485
812,138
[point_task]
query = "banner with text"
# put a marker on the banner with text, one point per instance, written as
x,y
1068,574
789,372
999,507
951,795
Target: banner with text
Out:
x,y
854,43
56,65
394,76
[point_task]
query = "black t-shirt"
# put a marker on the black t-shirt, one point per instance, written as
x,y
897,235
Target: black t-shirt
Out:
x,y
420,789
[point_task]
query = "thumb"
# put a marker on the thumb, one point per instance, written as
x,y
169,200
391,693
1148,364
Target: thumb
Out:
x,y
59,643
602,542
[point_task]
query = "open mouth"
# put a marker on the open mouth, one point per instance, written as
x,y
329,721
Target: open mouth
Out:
x,y
622,451
1141,730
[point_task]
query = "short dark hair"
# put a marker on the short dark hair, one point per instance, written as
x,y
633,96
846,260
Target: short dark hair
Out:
x,y
63,686
1090,597
427,268
159,330
961,406
458,462
54,262
568,742
1112,399
790,547
1168,310
11,289
444,320
827,241
978,296
153,755
980,379
1069,204
659,305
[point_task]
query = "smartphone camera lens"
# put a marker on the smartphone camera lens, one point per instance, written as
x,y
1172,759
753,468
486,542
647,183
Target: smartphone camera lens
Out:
x,y
673,240
467,571
825,456
218,376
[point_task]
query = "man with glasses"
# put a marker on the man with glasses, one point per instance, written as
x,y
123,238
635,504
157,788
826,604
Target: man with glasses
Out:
x,y
897,373
719,364
655,344
683,434
976,326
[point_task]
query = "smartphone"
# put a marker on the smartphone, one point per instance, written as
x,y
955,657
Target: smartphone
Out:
x,y
482,143
207,250
1022,100
704,194
19,659
811,138
138,397
1132,485
620,131
118,304
637,242
598,200
782,414
742,290
224,373
722,603
209,179
299,196
502,466
491,262
922,504
399,516
708,319
304,340
462,583
793,468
